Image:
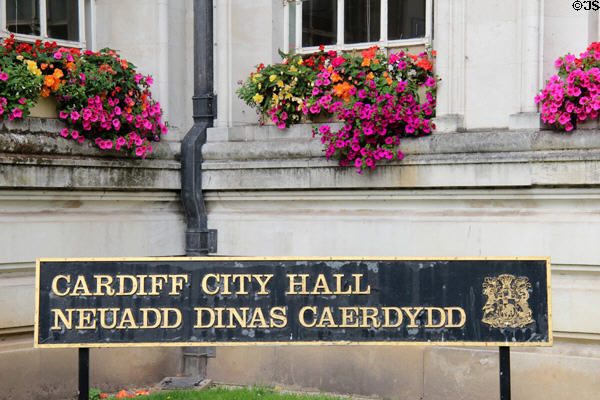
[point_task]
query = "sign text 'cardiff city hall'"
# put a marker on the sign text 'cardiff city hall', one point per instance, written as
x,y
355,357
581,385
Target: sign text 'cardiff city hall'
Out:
x,y
236,301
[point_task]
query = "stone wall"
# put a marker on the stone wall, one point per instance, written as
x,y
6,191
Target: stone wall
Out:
x,y
481,193
61,199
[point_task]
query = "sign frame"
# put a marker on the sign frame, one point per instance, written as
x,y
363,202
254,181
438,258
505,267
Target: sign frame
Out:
x,y
295,343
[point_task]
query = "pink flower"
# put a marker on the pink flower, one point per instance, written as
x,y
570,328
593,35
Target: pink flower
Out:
x,y
74,116
149,80
139,151
17,112
64,132
63,114
336,62
137,78
74,134
3,76
22,100
58,55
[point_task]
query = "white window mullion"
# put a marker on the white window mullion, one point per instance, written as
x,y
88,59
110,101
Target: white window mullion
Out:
x,y
43,20
428,20
81,11
298,26
383,21
286,27
340,24
3,27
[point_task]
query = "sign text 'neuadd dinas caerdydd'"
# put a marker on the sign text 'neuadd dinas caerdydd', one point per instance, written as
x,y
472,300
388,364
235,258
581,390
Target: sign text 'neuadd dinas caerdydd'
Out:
x,y
224,301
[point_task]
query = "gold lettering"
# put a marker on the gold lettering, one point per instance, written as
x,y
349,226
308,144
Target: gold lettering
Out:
x,y
241,319
55,286
166,319
85,318
205,286
103,323
67,321
301,316
349,320
293,283
338,285
146,319
412,316
327,318
177,282
262,280
463,317
387,320
258,316
357,279
142,284
441,313
241,278
219,311
127,318
321,286
157,284
278,317
81,285
108,280
370,314
199,319
225,278
134,285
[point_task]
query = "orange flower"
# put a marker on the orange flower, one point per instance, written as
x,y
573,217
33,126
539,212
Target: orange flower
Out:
x,y
335,77
385,74
425,64
434,53
44,66
103,395
370,76
413,57
342,90
49,80
369,54
45,92
124,64
71,66
389,80
366,62
122,394
58,73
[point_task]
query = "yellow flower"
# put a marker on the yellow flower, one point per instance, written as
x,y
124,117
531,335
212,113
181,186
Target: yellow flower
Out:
x,y
288,95
280,83
272,78
20,58
293,69
258,98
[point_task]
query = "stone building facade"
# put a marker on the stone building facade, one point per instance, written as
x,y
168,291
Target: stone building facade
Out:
x,y
490,182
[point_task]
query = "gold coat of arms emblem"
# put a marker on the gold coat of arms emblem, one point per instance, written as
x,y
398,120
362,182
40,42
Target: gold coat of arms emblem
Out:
x,y
507,301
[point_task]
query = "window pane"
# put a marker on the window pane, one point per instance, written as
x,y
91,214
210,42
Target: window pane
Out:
x,y
22,16
361,21
406,19
319,22
63,19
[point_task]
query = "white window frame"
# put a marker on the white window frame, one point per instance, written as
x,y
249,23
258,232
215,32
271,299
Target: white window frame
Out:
x,y
340,46
81,43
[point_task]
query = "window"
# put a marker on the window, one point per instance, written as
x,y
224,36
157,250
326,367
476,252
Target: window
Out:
x,y
62,21
347,24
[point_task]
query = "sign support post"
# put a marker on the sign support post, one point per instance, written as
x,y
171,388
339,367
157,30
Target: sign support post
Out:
x,y
504,373
84,373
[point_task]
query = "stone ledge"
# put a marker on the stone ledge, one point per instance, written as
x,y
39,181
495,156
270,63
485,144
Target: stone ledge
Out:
x,y
41,136
264,158
34,156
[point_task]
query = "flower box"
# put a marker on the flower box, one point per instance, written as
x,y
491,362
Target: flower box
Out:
x,y
46,107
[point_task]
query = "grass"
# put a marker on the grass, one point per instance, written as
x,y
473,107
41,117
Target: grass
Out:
x,y
227,394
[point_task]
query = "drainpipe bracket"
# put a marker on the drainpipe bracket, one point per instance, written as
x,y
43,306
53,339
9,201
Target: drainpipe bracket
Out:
x,y
200,242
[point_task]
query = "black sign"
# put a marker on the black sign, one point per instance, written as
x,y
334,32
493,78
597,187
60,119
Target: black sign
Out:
x,y
218,301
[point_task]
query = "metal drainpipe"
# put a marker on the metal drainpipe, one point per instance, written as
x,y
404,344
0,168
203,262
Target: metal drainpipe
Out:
x,y
199,240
